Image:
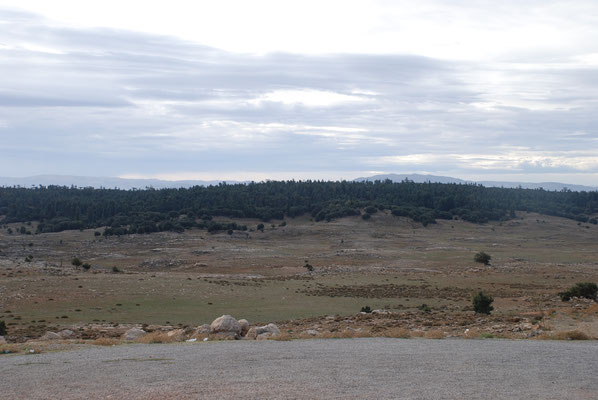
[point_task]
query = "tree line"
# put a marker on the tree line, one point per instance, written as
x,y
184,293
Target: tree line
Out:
x,y
149,210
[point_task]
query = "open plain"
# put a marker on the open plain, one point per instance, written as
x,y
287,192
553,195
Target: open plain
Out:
x,y
420,280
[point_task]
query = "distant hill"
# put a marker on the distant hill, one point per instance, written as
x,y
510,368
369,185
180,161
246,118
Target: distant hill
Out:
x,y
123,183
422,178
102,182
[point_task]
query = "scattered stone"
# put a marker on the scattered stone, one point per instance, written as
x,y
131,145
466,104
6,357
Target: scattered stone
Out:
x,y
134,334
251,333
267,331
203,329
66,334
2,340
311,332
224,336
51,336
178,335
244,326
225,324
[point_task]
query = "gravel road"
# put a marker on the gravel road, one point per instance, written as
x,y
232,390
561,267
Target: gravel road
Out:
x,y
331,369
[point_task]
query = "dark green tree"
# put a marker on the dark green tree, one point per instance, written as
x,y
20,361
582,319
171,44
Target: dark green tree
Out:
x,y
482,258
482,303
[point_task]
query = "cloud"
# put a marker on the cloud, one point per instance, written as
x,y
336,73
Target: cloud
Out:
x,y
123,102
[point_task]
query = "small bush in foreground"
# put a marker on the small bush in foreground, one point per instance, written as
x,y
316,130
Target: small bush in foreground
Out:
x,y
482,303
589,290
76,262
366,309
115,270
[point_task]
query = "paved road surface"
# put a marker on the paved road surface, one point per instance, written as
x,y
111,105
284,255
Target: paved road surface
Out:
x,y
330,369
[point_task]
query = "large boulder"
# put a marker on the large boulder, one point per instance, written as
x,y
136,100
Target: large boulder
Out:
x,y
244,326
225,324
134,334
50,336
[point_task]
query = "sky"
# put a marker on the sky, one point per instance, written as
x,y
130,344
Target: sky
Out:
x,y
256,90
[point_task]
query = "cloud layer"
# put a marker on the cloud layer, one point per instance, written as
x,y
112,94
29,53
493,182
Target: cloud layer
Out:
x,y
113,102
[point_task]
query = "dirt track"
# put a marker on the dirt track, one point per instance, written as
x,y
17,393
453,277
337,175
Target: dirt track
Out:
x,y
347,369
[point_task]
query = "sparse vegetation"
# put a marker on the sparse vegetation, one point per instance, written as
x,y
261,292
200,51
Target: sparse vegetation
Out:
x,y
76,262
366,309
2,328
587,290
482,303
86,266
116,270
425,308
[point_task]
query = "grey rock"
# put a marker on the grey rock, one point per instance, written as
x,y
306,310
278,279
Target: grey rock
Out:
x,y
203,329
244,326
50,336
134,334
66,334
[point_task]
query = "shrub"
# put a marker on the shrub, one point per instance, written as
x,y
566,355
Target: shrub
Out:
x,y
260,227
425,308
76,262
366,309
482,303
589,290
2,328
366,216
86,266
115,270
309,267
482,258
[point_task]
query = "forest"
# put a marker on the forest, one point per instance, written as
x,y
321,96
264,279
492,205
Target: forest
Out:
x,y
120,212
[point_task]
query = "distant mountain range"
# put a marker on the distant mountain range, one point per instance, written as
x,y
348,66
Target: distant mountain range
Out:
x,y
123,183
421,178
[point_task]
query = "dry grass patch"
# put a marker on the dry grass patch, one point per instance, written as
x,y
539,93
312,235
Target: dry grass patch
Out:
x,y
571,335
434,334
401,333
157,337
104,341
283,337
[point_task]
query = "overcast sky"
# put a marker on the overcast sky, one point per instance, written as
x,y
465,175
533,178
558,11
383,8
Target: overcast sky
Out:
x,y
237,90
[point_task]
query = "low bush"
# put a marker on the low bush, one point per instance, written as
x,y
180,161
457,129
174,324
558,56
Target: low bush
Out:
x,y
366,309
2,328
588,290
482,258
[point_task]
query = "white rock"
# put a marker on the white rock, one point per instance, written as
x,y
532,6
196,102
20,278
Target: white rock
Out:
x,y
134,334
266,331
225,323
311,332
